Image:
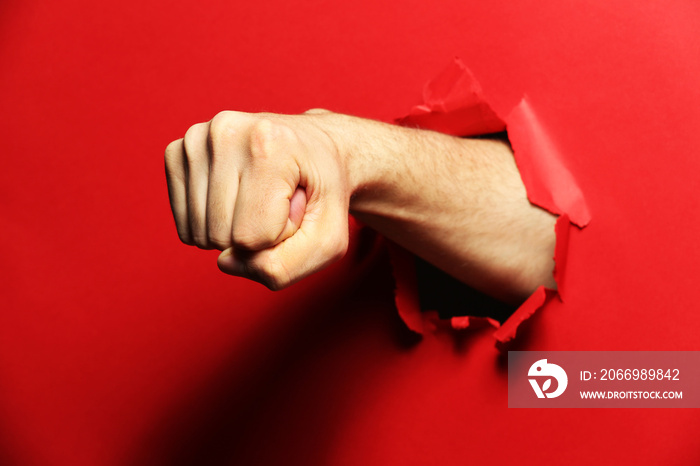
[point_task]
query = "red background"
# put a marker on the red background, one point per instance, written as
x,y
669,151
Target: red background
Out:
x,y
118,345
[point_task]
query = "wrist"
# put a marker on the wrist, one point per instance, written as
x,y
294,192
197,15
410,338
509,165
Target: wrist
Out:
x,y
365,149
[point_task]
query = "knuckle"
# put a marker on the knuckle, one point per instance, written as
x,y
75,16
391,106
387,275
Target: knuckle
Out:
x,y
271,140
262,127
220,125
219,227
272,273
243,242
225,133
219,243
173,152
262,134
193,142
184,237
194,132
201,241
199,236
219,239
251,240
316,111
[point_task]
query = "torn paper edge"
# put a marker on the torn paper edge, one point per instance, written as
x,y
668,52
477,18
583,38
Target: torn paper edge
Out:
x,y
455,104
507,331
406,289
548,181
561,252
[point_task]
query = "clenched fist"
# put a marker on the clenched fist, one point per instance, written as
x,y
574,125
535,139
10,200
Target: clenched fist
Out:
x,y
273,193
270,191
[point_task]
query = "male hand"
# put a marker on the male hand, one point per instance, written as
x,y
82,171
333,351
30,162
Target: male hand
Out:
x,y
270,191
273,193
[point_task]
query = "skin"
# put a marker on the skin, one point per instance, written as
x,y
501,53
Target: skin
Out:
x,y
273,192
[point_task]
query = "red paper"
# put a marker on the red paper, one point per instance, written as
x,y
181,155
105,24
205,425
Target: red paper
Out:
x,y
453,103
120,346
549,183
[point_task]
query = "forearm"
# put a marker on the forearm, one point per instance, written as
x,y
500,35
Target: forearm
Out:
x,y
458,203
272,192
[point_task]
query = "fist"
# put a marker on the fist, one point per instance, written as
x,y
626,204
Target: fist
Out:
x,y
270,191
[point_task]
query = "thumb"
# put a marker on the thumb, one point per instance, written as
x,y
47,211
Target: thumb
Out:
x,y
297,207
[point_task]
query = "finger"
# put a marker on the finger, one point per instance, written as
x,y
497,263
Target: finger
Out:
x,y
225,147
176,177
268,183
197,162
